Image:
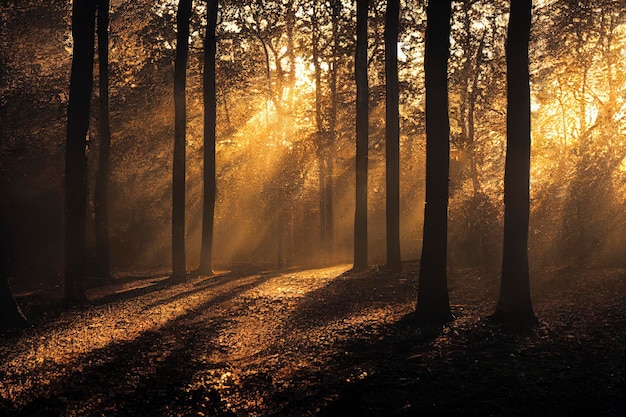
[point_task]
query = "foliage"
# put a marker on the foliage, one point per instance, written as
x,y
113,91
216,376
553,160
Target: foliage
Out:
x,y
266,169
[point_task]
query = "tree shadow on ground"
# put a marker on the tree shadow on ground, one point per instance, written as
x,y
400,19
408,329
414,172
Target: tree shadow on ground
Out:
x,y
471,366
47,304
147,376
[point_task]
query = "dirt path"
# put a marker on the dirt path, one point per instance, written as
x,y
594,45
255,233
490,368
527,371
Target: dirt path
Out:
x,y
320,342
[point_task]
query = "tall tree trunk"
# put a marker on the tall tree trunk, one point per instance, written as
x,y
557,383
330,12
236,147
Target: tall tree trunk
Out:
x,y
210,112
332,129
514,303
320,134
103,268
432,303
178,177
362,129
392,135
81,84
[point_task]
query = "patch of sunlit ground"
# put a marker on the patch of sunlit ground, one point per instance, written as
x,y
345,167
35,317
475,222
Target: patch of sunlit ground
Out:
x,y
248,345
42,355
66,341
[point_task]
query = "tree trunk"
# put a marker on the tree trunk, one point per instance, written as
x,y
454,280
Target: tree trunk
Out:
x,y
332,131
208,207
101,197
178,177
362,128
81,84
321,136
392,135
432,303
514,303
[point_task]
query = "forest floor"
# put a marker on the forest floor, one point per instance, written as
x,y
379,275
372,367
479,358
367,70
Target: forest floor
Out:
x,y
318,342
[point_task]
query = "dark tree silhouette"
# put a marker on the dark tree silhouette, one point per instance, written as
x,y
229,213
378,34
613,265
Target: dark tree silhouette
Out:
x,y
321,135
101,192
10,315
208,207
514,303
392,135
178,175
432,302
362,129
332,124
81,84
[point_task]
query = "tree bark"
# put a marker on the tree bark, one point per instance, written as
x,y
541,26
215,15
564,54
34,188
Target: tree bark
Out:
x,y
208,207
432,303
101,197
81,84
392,135
362,129
514,303
178,175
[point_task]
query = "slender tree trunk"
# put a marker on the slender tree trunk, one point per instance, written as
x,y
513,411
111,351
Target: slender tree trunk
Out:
x,y
81,84
287,244
432,303
392,135
103,268
210,112
362,129
178,177
514,303
332,131
321,135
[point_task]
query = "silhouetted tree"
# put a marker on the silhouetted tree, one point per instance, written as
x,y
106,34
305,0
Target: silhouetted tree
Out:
x,y
10,315
362,129
392,134
332,124
324,136
178,176
432,303
514,303
101,192
208,206
321,136
81,83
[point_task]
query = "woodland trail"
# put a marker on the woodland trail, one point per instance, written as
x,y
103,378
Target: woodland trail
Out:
x,y
320,342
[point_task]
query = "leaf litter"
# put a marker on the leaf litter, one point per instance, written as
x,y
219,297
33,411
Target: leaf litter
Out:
x,y
321,342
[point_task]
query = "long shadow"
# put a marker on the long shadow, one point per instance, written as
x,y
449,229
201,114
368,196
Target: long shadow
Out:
x,y
217,281
350,293
489,372
468,367
206,283
50,303
142,377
